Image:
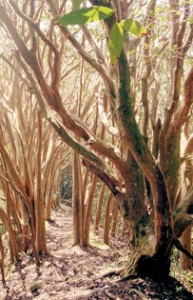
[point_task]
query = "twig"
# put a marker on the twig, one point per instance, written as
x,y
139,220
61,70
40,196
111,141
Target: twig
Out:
x,y
139,293
111,296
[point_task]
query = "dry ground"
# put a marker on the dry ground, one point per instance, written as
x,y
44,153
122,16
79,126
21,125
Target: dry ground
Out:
x,y
70,273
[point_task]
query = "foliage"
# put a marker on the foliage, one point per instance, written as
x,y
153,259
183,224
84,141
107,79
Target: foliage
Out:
x,y
117,33
86,15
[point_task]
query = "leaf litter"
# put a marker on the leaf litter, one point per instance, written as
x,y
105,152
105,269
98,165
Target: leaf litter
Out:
x,y
71,273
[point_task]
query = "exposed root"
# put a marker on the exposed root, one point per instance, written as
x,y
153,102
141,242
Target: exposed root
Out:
x,y
139,293
112,273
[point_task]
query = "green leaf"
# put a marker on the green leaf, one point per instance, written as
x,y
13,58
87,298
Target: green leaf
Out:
x,y
116,40
86,15
76,4
117,36
133,27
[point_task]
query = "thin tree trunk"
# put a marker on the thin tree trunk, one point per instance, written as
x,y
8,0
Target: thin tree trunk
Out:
x,y
114,219
88,214
185,262
13,242
107,219
2,260
77,202
99,206
39,203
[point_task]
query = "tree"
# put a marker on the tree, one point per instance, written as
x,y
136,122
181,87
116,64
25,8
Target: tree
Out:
x,y
30,161
145,160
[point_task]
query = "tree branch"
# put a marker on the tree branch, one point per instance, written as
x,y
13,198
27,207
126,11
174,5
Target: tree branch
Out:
x,y
98,67
180,247
35,26
54,100
110,181
56,124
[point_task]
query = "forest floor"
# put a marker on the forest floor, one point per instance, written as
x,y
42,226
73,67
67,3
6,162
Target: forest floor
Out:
x,y
71,273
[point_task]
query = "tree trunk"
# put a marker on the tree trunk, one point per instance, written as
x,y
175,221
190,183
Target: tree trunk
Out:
x,y
2,260
114,219
99,206
13,242
40,230
88,214
107,219
77,203
185,262
157,266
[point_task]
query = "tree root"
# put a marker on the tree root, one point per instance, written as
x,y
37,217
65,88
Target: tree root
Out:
x,y
112,273
110,295
140,294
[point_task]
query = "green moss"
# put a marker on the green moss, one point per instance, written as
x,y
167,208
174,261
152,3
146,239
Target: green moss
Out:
x,y
124,84
172,172
125,110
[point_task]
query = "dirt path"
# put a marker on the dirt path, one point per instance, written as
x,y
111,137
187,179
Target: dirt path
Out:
x,y
68,273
